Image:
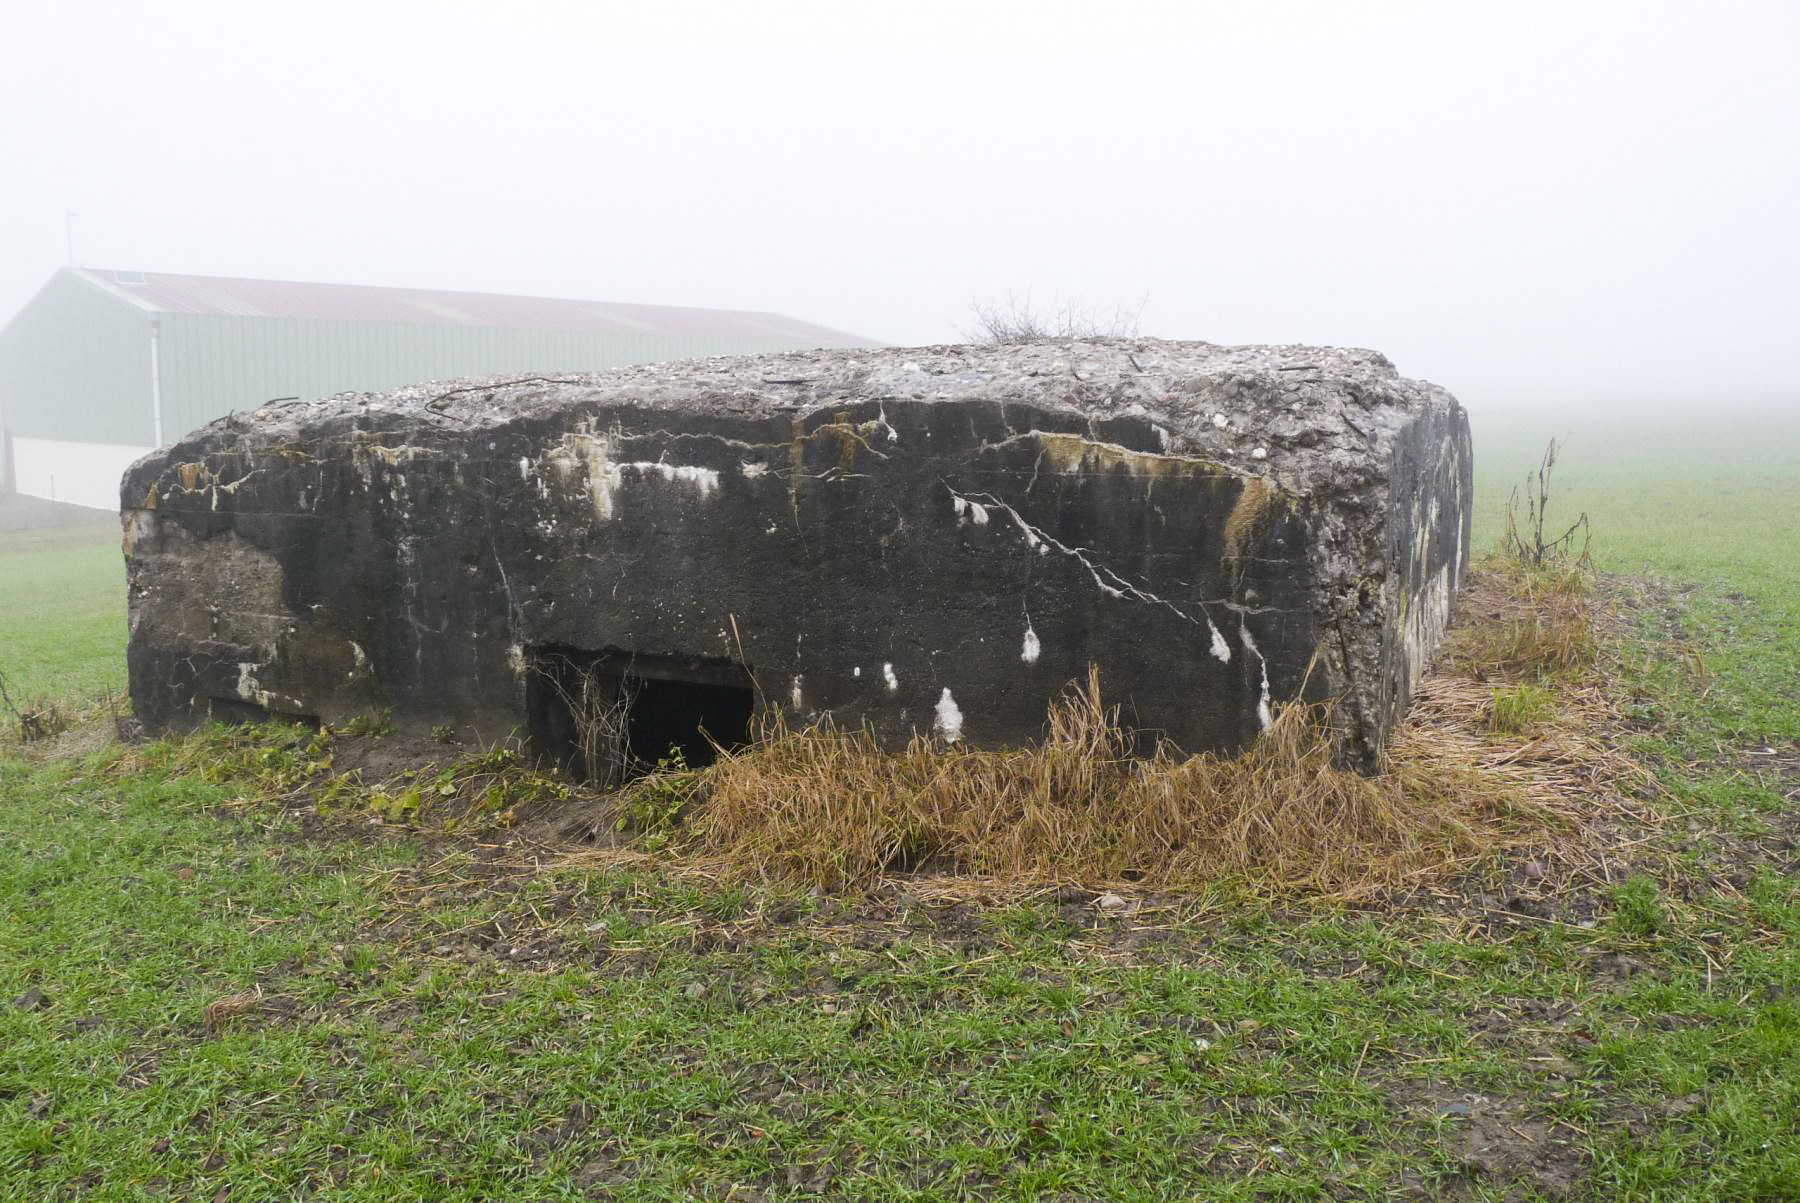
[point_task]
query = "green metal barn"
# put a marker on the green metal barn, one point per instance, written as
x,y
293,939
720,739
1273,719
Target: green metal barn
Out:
x,y
102,367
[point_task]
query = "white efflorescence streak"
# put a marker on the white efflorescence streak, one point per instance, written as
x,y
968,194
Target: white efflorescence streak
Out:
x,y
1108,581
949,718
1263,713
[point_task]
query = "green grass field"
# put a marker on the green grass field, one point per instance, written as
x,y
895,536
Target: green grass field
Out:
x,y
1704,498
205,995
62,613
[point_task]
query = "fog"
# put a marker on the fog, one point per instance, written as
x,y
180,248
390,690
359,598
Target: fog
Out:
x,y
1533,204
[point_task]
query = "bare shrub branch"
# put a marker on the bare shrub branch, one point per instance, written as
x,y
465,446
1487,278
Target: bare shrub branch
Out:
x,y
602,718
39,722
1018,320
1529,546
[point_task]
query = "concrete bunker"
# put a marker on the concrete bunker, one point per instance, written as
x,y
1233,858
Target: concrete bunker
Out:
x,y
916,540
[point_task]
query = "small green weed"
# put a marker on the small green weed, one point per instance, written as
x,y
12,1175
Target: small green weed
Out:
x,y
1639,908
491,784
497,759
341,792
371,726
653,805
399,806
1520,708
267,758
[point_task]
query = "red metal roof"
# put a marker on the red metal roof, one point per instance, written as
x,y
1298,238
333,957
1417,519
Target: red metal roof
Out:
x,y
222,295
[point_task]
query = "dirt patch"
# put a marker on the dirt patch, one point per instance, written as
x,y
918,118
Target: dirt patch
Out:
x,y
381,758
85,735
1503,1141
1776,766
1496,1140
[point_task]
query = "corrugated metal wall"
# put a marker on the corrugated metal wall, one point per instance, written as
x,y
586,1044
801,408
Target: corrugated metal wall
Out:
x,y
214,365
75,364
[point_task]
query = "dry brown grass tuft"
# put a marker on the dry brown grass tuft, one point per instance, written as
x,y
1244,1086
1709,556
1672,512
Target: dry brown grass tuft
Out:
x,y
1086,805
1527,623
1567,767
829,808
221,1011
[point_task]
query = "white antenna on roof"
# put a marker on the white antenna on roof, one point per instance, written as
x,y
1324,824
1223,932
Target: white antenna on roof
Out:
x,y
69,232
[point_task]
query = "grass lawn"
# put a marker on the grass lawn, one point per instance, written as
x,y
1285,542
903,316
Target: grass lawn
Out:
x,y
206,994
1707,499
62,612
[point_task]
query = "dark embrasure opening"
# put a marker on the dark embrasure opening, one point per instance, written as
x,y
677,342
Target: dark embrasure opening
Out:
x,y
605,717
237,710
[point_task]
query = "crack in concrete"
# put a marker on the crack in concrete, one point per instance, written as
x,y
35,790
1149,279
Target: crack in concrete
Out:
x,y
1108,581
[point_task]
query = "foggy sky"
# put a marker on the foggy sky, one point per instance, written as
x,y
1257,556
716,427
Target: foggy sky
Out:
x,y
1528,203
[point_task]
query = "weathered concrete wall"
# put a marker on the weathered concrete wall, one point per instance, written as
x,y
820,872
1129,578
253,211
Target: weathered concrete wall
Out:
x,y
917,539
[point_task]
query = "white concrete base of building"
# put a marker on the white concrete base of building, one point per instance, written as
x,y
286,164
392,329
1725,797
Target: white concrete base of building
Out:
x,y
77,473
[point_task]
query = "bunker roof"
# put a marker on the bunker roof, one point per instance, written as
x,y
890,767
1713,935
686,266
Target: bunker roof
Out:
x,y
1305,417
